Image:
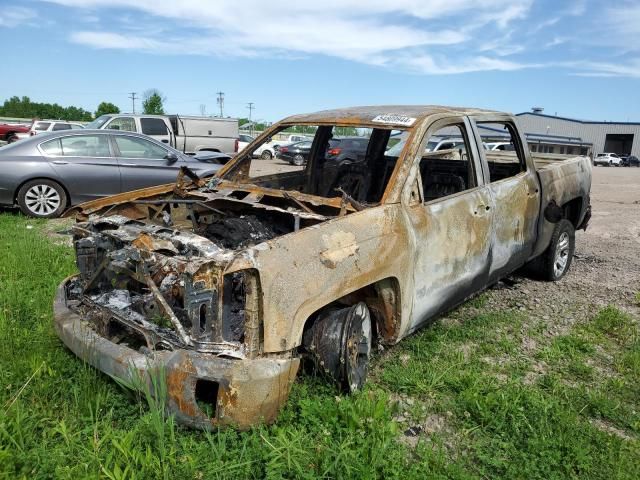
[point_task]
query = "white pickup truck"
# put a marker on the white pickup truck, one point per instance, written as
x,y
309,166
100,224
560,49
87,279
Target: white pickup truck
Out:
x,y
188,134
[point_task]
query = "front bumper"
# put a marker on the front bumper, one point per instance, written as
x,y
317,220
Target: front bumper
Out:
x,y
233,392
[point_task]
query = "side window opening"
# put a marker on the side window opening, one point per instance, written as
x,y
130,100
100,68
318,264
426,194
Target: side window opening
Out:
x,y
153,126
446,167
126,124
507,161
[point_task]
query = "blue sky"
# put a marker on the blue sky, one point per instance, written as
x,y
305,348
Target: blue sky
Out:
x,y
576,58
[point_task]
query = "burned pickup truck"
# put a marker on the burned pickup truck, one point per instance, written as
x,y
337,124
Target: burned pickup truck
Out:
x,y
221,286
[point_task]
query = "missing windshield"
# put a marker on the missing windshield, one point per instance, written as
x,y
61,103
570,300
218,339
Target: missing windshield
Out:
x,y
327,161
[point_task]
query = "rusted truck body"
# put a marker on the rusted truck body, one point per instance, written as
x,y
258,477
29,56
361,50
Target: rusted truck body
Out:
x,y
221,286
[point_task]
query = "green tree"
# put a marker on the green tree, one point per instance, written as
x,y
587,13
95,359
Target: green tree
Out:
x,y
153,102
105,108
25,108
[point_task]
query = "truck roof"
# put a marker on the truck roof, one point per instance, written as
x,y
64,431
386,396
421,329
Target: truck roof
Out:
x,y
399,115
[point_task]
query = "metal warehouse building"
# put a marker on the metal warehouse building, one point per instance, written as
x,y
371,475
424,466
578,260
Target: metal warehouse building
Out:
x,y
622,138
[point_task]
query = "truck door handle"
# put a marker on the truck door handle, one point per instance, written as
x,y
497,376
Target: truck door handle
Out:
x,y
165,140
60,162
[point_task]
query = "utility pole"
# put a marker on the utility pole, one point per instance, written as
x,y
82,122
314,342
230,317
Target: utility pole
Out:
x,y
132,96
220,101
250,107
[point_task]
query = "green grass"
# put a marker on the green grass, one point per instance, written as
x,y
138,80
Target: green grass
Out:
x,y
465,381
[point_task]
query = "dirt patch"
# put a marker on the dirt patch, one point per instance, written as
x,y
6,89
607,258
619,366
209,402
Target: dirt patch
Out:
x,y
605,426
605,268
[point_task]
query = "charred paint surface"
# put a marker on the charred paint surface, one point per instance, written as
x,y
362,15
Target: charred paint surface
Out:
x,y
211,283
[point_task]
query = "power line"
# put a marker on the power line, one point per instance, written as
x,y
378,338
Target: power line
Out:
x,y
220,101
132,96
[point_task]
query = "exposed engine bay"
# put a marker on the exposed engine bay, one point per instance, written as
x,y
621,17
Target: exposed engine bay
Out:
x,y
153,272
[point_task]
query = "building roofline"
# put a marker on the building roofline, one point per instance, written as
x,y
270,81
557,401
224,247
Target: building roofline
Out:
x,y
575,120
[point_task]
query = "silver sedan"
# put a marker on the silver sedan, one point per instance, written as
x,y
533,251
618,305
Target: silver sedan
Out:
x,y
46,174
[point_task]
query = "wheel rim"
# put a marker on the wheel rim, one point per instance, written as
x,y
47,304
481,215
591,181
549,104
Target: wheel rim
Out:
x,y
357,346
266,155
298,159
562,255
42,200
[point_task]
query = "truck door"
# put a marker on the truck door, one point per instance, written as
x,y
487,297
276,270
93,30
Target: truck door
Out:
x,y
143,163
515,192
156,128
451,223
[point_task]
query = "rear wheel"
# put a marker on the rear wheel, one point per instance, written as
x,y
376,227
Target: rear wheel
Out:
x,y
12,139
555,262
266,155
42,199
298,160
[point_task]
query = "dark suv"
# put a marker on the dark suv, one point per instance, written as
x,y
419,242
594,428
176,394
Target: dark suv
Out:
x,y
347,148
629,161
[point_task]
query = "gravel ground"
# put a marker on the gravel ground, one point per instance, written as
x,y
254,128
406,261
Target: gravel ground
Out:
x,y
606,265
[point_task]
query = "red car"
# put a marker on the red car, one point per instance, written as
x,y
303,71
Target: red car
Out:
x,y
8,131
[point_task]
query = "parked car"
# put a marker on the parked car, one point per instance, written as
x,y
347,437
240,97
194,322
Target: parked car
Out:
x,y
47,173
40,126
347,149
244,140
290,140
266,151
607,159
503,146
273,269
629,161
190,135
9,131
296,153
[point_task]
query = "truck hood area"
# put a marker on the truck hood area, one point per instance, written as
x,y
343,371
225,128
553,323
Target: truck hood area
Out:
x,y
174,270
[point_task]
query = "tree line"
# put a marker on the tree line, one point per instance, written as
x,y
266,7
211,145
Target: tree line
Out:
x,y
24,107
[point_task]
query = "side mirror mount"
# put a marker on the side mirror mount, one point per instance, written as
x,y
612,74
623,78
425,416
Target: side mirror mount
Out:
x,y
171,158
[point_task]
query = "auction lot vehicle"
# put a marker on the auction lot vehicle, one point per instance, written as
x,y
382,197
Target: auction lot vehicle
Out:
x,y
222,286
629,161
46,174
41,126
295,153
188,134
607,160
9,131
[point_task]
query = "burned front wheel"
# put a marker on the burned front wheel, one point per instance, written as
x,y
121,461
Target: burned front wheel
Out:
x,y
339,343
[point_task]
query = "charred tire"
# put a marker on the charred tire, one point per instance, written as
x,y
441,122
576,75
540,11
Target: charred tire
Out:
x,y
339,342
298,160
555,262
266,155
42,199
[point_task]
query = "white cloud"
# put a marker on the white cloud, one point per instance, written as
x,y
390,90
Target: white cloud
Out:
x,y
375,32
435,37
12,16
427,64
